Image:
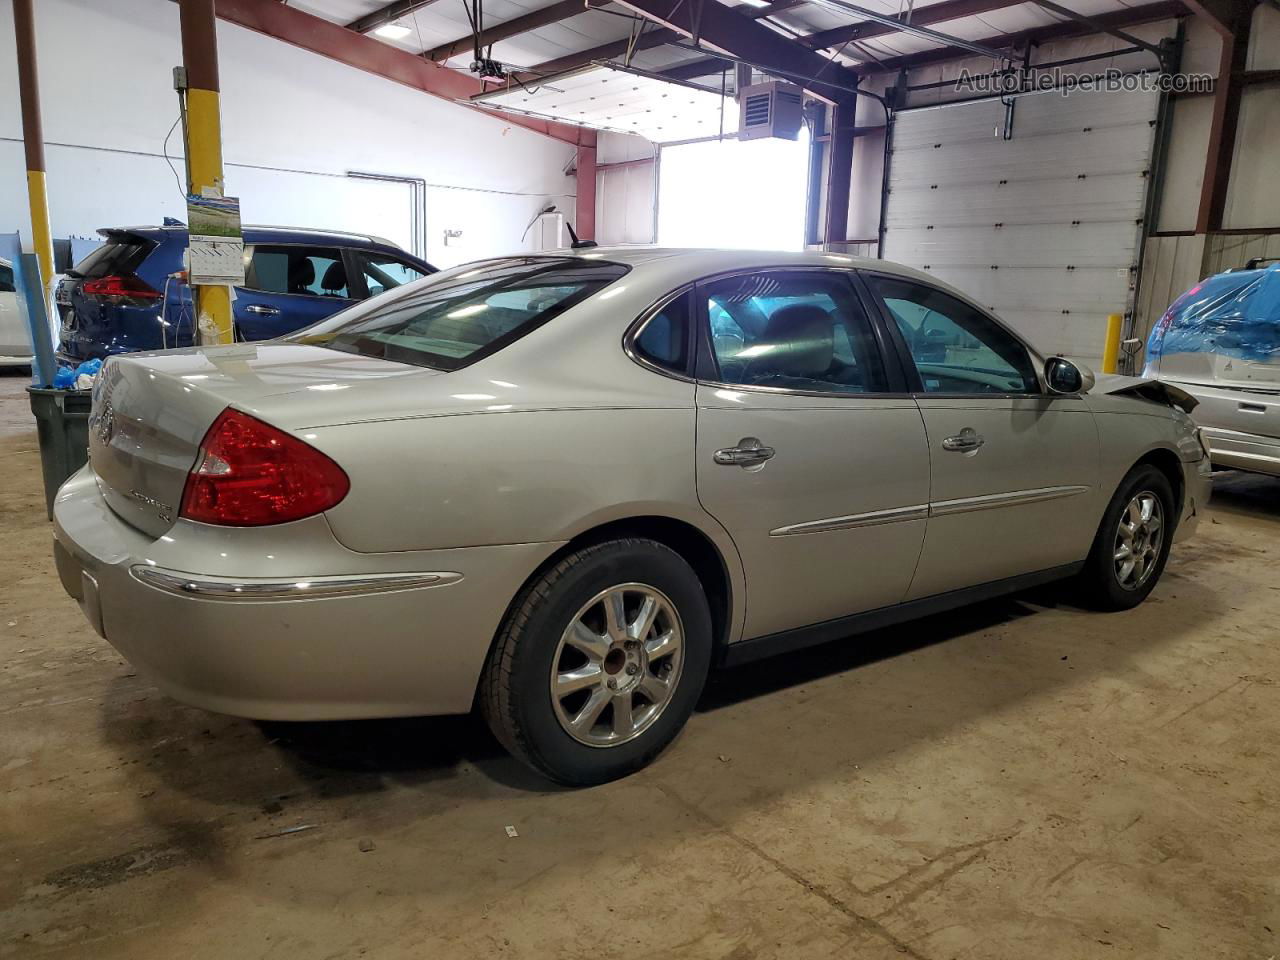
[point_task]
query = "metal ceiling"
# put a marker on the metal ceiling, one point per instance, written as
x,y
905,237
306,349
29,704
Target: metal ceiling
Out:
x,y
440,22
539,39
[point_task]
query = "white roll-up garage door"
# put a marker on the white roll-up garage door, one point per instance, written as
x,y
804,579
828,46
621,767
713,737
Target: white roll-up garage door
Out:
x,y
1043,228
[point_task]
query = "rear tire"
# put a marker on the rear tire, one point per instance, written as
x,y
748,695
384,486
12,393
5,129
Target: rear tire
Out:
x,y
599,662
1132,544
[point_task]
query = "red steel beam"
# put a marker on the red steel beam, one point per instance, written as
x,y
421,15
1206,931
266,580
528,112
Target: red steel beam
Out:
x,y
1227,92
729,31
839,174
1219,14
585,214
332,40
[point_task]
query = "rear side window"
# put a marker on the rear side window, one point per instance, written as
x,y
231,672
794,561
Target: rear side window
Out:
x,y
664,338
114,258
457,316
299,270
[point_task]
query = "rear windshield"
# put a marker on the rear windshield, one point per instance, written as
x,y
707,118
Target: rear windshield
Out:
x,y
116,256
458,316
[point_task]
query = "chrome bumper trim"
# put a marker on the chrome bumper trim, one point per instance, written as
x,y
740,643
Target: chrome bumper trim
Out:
x,y
227,588
943,508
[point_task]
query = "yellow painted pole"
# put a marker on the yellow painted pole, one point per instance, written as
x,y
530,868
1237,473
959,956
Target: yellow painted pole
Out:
x,y
24,30
204,147
1111,349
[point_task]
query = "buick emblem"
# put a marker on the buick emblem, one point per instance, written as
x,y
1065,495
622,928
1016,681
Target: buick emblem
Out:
x,y
106,425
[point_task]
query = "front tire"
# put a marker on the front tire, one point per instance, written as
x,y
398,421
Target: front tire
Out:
x,y
1132,544
600,662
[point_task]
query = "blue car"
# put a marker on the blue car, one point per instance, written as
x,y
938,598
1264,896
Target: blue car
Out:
x,y
124,296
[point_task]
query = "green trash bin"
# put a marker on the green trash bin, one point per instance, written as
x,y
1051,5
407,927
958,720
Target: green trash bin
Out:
x,y
62,420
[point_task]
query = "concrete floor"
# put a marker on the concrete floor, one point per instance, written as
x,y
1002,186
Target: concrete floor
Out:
x,y
1018,780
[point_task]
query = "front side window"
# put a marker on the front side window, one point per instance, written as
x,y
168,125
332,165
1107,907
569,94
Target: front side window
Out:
x,y
458,316
299,270
384,272
793,331
955,347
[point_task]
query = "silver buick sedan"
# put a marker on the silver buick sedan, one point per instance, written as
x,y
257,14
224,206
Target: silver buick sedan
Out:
x,y
565,486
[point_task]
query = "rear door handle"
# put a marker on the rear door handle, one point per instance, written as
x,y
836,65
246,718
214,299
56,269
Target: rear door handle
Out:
x,y
749,452
262,311
964,441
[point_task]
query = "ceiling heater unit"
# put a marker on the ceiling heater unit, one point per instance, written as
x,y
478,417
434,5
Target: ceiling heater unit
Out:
x,y
772,109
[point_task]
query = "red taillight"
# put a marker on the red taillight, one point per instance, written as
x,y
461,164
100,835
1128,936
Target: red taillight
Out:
x,y
127,285
249,474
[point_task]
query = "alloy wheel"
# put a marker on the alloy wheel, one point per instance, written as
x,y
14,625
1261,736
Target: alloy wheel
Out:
x,y
617,665
1139,537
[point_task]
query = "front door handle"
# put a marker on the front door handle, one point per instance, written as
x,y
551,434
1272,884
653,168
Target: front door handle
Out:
x,y
262,311
965,441
749,452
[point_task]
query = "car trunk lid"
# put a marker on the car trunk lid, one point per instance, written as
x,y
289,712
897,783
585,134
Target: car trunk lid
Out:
x,y
151,411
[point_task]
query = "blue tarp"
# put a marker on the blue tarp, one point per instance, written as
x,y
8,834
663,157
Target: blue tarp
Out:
x,y
1233,314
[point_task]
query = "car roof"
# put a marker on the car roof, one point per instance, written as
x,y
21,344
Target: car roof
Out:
x,y
685,264
260,233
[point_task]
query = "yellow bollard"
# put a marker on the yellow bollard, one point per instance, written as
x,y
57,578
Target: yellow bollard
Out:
x,y
1111,349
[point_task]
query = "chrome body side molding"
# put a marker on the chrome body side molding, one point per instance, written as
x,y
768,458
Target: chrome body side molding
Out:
x,y
870,519
941,508
1013,498
298,588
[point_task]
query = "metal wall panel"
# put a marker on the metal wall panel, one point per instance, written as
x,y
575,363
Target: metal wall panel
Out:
x,y
1170,267
1043,228
624,203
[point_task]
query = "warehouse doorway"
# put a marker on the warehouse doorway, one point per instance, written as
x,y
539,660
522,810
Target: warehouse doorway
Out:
x,y
734,194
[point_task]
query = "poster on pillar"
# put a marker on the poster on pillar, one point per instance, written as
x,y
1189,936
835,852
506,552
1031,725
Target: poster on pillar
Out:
x,y
215,242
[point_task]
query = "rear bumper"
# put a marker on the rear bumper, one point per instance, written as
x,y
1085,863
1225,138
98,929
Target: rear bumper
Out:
x,y
1243,451
346,636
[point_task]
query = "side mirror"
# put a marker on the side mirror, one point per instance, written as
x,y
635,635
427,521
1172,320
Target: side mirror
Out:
x,y
1065,376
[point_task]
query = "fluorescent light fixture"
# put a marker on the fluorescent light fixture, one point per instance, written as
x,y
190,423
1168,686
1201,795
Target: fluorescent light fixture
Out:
x,y
473,396
756,3
395,31
612,293
470,311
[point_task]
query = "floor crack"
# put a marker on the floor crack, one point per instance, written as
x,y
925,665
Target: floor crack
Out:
x,y
868,924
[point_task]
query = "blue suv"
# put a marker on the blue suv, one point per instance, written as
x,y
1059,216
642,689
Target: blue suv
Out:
x,y
125,296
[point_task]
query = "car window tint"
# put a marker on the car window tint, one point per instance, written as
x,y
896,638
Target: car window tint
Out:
x,y
385,272
459,315
664,340
955,347
309,271
793,330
